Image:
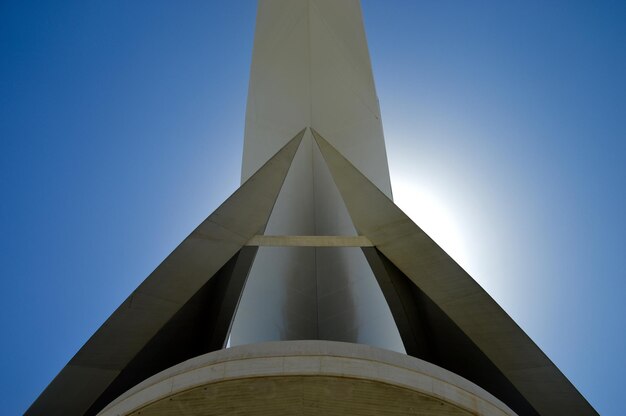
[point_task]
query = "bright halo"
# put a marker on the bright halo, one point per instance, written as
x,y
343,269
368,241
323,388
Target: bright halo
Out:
x,y
432,216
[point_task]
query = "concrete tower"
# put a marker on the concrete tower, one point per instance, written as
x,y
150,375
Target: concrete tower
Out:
x,y
311,67
309,291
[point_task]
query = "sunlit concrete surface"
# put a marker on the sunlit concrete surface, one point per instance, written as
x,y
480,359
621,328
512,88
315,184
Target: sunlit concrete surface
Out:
x,y
306,377
311,67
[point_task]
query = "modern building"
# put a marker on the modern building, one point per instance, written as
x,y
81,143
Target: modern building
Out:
x,y
309,291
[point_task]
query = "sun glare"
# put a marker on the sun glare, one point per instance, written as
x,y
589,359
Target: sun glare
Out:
x,y
431,214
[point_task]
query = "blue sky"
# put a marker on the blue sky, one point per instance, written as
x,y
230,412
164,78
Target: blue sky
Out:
x,y
121,128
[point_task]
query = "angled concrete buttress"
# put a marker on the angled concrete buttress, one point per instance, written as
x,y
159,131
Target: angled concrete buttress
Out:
x,y
444,290
111,361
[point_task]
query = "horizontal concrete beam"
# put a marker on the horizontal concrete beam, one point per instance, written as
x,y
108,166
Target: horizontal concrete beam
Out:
x,y
309,241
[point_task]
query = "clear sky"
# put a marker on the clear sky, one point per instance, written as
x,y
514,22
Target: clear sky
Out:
x,y
121,128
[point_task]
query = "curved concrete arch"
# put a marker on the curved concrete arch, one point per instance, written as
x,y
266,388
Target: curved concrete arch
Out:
x,y
288,370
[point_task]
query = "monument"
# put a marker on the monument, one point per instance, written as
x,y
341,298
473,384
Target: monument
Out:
x,y
308,291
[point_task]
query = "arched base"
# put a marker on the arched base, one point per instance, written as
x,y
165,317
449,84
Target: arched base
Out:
x,y
309,378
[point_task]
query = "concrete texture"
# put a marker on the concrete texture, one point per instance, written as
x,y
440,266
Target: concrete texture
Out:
x,y
306,377
309,241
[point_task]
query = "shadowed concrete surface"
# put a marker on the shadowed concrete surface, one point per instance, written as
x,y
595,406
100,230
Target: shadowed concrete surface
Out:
x,y
308,395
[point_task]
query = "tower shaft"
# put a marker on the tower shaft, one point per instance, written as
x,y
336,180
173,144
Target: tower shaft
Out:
x,y
311,67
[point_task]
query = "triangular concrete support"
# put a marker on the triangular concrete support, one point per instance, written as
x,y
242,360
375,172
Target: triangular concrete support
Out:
x,y
453,290
174,282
